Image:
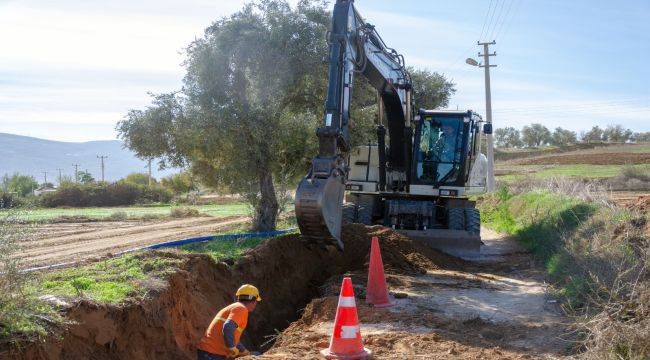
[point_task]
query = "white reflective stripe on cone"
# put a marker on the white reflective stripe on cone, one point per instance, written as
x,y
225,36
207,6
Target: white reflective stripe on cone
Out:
x,y
347,301
349,332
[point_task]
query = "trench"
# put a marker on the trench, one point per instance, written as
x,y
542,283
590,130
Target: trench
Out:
x,y
168,324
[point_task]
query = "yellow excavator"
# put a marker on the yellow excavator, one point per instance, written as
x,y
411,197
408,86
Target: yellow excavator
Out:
x,y
419,175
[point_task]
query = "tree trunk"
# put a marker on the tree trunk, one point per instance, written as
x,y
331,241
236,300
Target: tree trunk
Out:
x,y
266,212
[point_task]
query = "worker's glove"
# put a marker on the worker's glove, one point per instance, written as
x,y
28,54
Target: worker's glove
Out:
x,y
233,352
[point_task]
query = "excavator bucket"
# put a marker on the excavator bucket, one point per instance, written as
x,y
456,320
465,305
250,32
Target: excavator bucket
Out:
x,y
319,208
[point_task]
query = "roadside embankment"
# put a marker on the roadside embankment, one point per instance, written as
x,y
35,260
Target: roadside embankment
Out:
x,y
596,256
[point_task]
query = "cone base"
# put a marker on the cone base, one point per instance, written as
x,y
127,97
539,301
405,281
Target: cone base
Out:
x,y
384,305
365,354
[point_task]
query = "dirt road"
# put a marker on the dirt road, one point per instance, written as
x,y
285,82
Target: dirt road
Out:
x,y
496,308
68,242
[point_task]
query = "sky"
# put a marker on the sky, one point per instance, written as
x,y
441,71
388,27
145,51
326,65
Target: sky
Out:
x,y
70,69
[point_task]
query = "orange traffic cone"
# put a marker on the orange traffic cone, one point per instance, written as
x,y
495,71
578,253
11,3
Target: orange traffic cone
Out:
x,y
346,338
377,290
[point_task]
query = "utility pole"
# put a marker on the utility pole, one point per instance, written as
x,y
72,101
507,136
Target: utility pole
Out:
x,y
45,176
488,109
149,166
76,172
102,157
60,176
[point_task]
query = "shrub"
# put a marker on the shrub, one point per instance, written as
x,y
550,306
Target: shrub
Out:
x,y
183,211
119,215
102,194
8,201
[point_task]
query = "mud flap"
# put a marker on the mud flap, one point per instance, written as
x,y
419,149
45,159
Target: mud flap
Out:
x,y
459,243
319,209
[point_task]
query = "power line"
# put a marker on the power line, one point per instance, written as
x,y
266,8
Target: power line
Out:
x,y
505,19
485,20
496,23
507,23
463,54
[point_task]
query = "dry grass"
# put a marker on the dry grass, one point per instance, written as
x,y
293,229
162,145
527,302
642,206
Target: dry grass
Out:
x,y
184,212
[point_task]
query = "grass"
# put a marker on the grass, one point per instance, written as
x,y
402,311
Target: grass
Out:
x,y
597,258
109,281
233,249
113,280
131,212
574,170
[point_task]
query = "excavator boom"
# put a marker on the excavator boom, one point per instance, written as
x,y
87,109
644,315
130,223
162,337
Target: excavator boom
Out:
x,y
354,48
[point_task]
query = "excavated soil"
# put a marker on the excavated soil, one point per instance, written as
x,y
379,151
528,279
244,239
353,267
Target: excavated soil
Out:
x,y
168,324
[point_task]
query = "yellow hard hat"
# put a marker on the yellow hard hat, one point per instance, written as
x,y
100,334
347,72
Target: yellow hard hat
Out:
x,y
248,292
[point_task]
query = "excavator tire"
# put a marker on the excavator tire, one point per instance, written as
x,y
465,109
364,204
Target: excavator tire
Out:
x,y
349,213
473,221
456,219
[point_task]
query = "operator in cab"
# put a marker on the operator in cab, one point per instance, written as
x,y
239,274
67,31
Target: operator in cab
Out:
x,y
221,340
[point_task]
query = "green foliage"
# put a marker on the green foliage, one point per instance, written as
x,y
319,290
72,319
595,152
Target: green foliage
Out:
x,y
535,135
507,137
85,177
180,183
104,194
431,90
109,281
139,179
21,312
224,249
563,137
17,184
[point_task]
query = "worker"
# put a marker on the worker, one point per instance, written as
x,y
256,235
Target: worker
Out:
x,y
221,339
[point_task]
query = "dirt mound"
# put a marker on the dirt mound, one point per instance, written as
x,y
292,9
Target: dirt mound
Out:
x,y
168,324
588,158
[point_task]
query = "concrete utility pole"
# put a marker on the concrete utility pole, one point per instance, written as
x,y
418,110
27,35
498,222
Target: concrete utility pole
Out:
x,y
76,172
102,157
488,106
60,175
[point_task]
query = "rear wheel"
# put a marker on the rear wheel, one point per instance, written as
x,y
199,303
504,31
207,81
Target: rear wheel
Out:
x,y
473,221
456,219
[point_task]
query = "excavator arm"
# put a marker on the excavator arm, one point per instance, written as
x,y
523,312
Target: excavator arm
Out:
x,y
354,48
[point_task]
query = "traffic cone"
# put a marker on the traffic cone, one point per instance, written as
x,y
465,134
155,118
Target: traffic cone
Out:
x,y
377,290
346,337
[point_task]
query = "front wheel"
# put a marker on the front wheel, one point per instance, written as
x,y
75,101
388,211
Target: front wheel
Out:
x,y
473,221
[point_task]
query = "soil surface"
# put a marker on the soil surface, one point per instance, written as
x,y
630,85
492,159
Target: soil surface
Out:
x,y
74,241
495,307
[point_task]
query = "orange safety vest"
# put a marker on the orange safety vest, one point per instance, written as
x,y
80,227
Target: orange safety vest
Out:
x,y
213,341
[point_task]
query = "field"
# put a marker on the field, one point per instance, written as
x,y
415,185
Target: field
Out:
x,y
596,163
135,212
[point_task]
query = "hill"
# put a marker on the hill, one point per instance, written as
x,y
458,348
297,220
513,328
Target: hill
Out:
x,y
32,156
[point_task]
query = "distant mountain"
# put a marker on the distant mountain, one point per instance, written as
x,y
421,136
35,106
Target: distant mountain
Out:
x,y
32,156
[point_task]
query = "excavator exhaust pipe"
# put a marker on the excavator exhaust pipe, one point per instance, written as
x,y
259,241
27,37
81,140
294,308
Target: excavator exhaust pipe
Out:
x,y
319,208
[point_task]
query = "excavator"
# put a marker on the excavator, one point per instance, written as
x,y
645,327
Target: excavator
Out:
x,y
417,178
